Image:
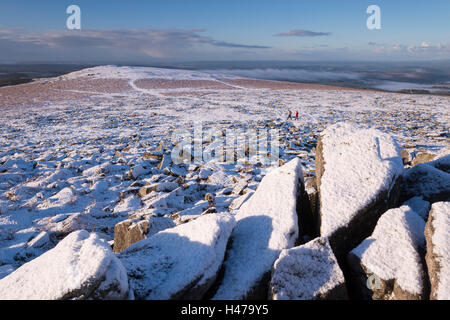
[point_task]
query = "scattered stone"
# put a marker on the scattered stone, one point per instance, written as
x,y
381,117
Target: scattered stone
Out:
x,y
153,155
437,233
82,266
166,161
240,187
137,171
205,173
308,272
136,229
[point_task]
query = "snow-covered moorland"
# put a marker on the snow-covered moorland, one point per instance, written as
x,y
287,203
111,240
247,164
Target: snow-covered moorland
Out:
x,y
88,155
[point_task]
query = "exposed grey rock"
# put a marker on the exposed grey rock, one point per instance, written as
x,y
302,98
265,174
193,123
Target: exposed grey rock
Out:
x,y
138,228
437,233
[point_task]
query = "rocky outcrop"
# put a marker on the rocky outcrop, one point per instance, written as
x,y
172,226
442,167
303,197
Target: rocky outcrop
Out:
x,y
138,228
389,264
437,233
181,262
81,266
308,272
426,181
358,173
266,224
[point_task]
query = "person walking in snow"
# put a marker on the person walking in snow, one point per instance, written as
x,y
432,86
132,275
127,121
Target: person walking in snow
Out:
x,y
289,115
296,115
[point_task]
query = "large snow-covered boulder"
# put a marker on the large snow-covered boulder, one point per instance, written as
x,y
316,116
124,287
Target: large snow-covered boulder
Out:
x,y
426,181
357,172
81,266
266,224
437,234
308,272
138,228
389,264
181,262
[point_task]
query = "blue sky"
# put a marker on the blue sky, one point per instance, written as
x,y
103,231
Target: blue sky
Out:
x,y
145,31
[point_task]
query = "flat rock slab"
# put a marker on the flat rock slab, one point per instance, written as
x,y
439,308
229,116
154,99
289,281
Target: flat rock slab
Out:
x,y
357,175
428,182
389,264
81,266
266,224
308,272
181,262
437,234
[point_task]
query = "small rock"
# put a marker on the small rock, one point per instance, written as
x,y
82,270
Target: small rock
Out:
x,y
166,161
133,230
205,173
138,171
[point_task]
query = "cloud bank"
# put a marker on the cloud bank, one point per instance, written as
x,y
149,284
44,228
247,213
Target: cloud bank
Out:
x,y
114,44
302,33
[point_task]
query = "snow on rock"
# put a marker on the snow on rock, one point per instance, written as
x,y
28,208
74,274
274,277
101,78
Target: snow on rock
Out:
x,y
308,272
437,234
5,270
419,206
426,181
62,198
138,171
181,262
205,173
266,224
138,228
388,265
441,163
357,173
81,266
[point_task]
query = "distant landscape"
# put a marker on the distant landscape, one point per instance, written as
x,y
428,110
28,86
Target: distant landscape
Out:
x,y
407,77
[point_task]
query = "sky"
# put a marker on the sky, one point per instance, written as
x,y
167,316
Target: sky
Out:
x,y
137,31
